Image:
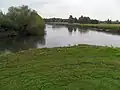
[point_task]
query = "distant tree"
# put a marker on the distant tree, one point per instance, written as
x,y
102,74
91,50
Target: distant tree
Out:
x,y
94,21
84,20
108,21
117,22
71,19
80,19
53,20
75,20
1,14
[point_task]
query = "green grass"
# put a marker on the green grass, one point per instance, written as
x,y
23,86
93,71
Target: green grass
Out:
x,y
103,26
111,27
80,67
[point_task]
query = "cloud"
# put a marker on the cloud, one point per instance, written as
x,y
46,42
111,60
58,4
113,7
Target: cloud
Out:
x,y
100,9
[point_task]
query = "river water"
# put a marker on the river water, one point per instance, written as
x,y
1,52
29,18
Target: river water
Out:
x,y
59,36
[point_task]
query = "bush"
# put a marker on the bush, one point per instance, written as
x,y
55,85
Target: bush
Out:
x,y
22,20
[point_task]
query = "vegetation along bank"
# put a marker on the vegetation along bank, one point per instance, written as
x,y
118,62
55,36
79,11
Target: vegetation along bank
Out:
x,y
21,21
80,67
87,22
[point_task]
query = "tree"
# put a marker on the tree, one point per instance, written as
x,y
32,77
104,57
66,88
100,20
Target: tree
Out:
x,y
24,21
117,22
94,21
75,20
84,20
71,19
108,21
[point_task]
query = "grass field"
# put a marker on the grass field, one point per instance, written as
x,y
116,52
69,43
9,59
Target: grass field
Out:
x,y
111,27
103,26
80,67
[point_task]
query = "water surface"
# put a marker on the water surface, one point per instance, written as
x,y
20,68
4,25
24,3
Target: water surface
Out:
x,y
59,36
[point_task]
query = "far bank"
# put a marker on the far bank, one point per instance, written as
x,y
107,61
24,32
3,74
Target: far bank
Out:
x,y
112,28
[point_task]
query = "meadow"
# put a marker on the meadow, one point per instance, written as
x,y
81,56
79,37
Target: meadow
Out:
x,y
103,26
81,67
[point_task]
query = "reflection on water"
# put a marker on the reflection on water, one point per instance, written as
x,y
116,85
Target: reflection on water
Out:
x,y
72,29
83,31
59,36
69,35
17,44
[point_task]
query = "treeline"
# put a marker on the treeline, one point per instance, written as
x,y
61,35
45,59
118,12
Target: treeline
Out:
x,y
21,21
55,20
82,19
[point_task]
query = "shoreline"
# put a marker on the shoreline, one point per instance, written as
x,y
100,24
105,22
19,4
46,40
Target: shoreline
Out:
x,y
82,66
110,28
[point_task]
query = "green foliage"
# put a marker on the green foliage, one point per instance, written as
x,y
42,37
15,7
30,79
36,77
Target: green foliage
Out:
x,y
80,67
23,20
35,26
71,19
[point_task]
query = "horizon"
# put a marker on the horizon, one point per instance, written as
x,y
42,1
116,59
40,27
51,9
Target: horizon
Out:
x,y
100,10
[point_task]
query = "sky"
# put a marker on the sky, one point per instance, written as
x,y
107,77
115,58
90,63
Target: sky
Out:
x,y
96,9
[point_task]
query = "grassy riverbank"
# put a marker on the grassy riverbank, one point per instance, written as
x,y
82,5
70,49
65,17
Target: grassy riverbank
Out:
x,y
80,67
104,27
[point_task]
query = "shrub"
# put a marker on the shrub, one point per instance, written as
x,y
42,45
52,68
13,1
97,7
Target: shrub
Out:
x,y
22,20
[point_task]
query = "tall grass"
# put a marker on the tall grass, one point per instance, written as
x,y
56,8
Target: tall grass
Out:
x,y
103,26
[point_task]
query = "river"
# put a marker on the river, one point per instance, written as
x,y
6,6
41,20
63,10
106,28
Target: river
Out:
x,y
59,36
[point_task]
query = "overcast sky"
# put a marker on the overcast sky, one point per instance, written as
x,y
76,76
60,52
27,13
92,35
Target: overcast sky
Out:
x,y
99,9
